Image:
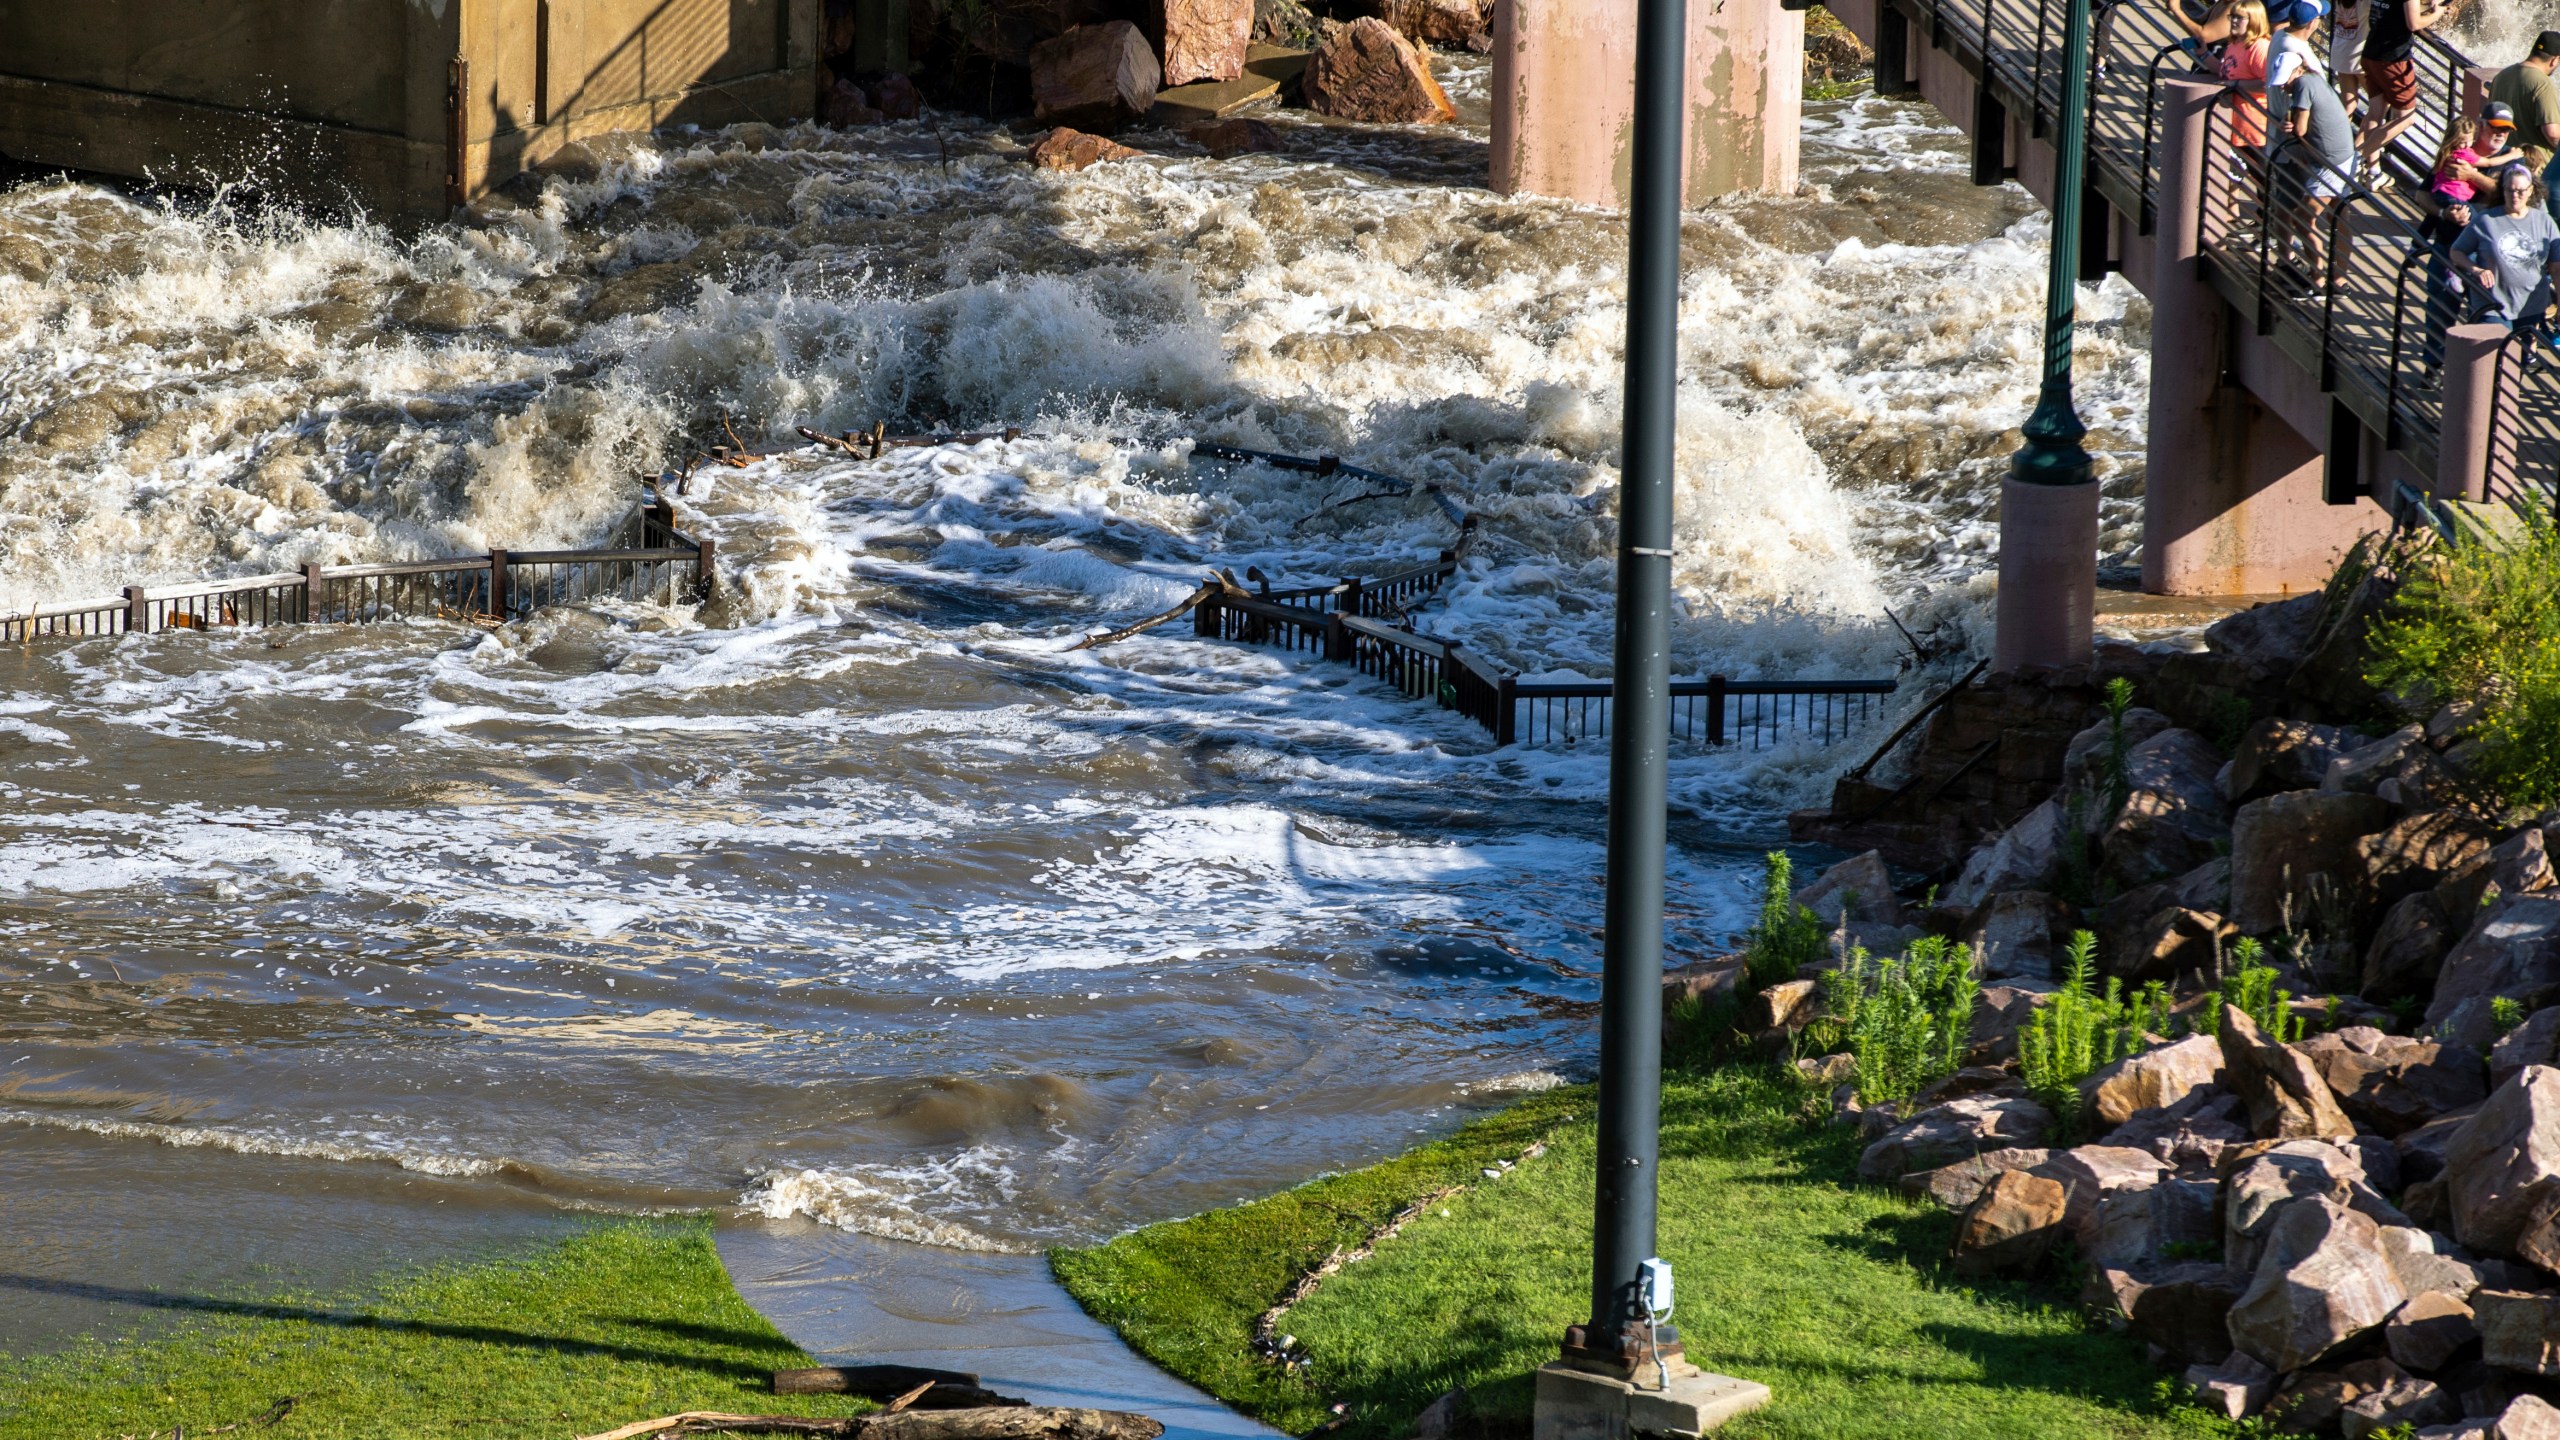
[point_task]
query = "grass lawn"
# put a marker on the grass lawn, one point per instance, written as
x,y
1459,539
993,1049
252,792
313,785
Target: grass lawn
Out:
x,y
1788,1273
618,1322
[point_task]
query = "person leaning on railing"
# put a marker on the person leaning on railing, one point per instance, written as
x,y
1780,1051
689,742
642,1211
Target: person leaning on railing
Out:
x,y
2446,294
2313,155
2391,68
2526,88
2240,28
2511,251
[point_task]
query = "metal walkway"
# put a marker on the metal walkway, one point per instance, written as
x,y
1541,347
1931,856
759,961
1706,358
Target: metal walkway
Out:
x,y
2363,335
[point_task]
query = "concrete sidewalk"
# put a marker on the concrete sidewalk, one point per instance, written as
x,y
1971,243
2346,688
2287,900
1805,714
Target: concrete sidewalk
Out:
x,y
848,1298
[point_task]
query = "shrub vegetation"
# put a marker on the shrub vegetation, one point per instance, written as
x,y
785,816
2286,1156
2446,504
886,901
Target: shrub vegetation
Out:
x,y
2480,621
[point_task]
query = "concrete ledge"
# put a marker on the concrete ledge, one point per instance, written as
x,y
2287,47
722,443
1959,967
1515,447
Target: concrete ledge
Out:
x,y
1575,1404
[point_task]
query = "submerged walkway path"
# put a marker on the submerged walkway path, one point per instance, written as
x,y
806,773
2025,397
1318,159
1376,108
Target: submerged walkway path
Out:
x,y
849,1298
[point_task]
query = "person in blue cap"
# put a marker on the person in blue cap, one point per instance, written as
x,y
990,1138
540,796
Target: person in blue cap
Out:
x,y
2311,144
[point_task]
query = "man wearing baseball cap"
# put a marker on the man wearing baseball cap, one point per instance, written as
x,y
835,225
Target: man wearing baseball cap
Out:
x,y
2526,89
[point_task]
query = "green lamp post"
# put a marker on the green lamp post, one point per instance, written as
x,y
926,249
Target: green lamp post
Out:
x,y
2049,500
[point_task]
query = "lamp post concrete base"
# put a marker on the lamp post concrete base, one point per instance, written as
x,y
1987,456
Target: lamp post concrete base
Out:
x,y
1575,1403
2048,575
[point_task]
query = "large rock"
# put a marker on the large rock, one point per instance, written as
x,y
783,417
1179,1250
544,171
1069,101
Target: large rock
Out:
x,y
1236,135
2535,1042
2279,755
1439,22
1858,888
2519,1330
2238,1386
1204,39
2189,1135
2285,1095
1367,71
1067,148
2027,856
2152,1080
2022,934
2422,1150
2323,1283
1957,1186
2092,1174
2011,1225
2426,1261
2417,852
2279,843
2405,1085
1998,1013
2408,949
2312,1401
2412,1403
2174,817
1094,77
2504,1160
2429,1331
2268,642
2185,1309
2264,1179
1952,1132
2137,1228
2513,951
2085,759
2360,770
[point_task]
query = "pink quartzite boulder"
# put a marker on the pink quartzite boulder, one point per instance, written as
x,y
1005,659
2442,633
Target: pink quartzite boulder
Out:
x,y
2174,817
1094,77
1955,1131
1367,71
2286,1097
2429,1331
2513,951
2156,1078
2011,1225
2519,1329
1205,39
2184,1309
2279,843
2504,1161
1066,149
2323,1283
2092,1174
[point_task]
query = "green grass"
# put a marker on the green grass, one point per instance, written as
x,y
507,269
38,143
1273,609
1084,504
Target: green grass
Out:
x,y
1788,1273
618,1322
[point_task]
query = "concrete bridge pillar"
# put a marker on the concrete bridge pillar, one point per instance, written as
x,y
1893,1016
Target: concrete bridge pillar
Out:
x,y
2234,499
1564,85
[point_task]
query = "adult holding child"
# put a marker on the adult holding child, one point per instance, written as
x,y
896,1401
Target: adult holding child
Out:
x,y
2533,100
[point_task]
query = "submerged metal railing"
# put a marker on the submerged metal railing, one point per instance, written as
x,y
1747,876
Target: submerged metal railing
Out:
x,y
664,565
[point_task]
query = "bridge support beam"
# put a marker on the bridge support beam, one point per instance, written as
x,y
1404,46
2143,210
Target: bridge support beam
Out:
x,y
2235,500
1564,99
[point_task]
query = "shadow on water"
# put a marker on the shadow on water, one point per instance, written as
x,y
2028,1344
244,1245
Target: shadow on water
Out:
x,y
361,1320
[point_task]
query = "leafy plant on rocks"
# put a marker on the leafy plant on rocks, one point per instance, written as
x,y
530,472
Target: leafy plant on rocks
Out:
x,y
1788,936
2119,774
2479,620
1907,1018
2080,1030
2251,989
2506,1012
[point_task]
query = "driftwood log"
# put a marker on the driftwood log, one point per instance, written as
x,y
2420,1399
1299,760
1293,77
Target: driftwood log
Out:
x,y
876,1382
1023,1422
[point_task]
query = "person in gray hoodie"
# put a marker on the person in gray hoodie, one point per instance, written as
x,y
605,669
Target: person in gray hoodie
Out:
x,y
2510,252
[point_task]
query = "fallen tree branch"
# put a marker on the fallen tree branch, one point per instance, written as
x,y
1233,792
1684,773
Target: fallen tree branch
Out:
x,y
1016,1422
1114,637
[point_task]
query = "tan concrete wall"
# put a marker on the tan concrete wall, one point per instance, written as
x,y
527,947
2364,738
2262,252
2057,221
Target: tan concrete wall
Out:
x,y
335,97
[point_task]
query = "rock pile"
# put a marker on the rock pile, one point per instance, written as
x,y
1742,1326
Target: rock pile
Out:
x,y
2350,1231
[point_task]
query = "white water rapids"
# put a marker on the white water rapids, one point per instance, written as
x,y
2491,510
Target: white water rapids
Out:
x,y
856,895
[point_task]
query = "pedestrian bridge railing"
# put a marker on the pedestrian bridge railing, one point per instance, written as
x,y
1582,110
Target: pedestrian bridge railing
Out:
x,y
2363,329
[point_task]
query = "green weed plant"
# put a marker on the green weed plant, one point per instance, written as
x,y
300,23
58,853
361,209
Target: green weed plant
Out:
x,y
2481,621
1907,1017
2079,1030
2251,989
1788,936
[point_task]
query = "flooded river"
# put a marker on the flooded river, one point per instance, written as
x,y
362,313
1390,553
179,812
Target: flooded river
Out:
x,y
856,895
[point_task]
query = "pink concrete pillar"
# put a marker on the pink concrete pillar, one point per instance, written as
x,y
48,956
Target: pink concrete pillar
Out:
x,y
2048,575
1564,98
2470,391
2178,498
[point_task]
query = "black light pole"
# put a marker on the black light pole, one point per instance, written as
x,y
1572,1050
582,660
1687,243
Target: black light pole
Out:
x,y
2049,502
1631,974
